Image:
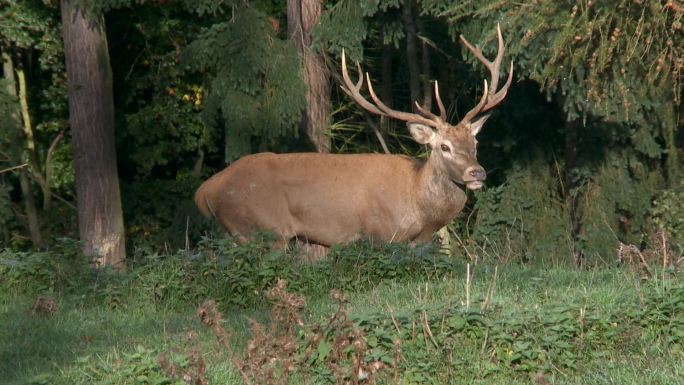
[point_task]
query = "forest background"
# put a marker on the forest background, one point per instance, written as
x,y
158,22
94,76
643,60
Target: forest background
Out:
x,y
584,154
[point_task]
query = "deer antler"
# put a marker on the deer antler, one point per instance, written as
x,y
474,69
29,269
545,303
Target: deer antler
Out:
x,y
492,98
379,108
442,111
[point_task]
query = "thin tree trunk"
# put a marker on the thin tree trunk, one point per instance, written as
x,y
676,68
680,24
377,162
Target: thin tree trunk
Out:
x,y
30,208
31,143
91,115
425,63
4,195
411,51
386,81
17,145
199,163
302,17
47,189
668,117
570,195
386,74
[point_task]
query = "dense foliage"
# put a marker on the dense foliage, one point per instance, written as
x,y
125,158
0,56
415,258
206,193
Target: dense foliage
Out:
x,y
614,71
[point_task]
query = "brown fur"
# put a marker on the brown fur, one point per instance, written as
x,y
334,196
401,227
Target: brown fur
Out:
x,y
329,199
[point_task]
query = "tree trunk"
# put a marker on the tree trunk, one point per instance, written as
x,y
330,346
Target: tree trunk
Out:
x,y
669,128
91,116
29,138
302,16
411,53
30,208
33,224
570,195
425,62
386,82
386,75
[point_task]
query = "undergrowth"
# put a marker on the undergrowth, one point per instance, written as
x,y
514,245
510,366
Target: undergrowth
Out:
x,y
455,344
478,339
232,274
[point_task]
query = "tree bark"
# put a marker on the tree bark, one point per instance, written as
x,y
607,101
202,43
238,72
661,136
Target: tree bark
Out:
x,y
302,16
91,116
33,224
411,52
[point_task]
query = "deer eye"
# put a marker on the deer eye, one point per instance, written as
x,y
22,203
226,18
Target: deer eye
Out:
x,y
445,148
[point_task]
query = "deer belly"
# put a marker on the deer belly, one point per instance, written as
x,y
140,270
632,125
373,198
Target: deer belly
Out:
x,y
399,227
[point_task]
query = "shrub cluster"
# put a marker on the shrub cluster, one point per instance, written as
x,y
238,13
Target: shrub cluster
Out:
x,y
232,274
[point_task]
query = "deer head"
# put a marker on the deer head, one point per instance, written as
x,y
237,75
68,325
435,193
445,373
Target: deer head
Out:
x,y
453,146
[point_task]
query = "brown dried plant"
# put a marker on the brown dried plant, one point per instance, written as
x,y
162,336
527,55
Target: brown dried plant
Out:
x,y
659,252
348,348
194,373
210,316
631,256
273,353
665,252
43,306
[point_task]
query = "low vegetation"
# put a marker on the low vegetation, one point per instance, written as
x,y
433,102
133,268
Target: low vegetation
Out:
x,y
366,314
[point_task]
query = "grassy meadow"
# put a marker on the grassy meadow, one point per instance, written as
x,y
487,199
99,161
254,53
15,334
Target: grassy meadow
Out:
x,y
385,314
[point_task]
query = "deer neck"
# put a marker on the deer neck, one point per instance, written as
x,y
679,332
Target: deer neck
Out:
x,y
439,198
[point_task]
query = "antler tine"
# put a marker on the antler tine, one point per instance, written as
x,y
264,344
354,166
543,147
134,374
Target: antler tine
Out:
x,y
478,108
425,112
499,96
492,66
379,107
405,116
497,60
493,96
355,90
442,111
429,114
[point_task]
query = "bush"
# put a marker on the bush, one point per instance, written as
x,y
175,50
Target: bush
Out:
x,y
668,214
524,217
63,268
233,274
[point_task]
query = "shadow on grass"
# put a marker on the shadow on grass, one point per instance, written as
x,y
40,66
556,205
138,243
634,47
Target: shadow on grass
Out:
x,y
39,346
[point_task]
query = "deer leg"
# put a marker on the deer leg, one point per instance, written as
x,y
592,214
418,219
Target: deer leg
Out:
x,y
423,237
312,252
279,244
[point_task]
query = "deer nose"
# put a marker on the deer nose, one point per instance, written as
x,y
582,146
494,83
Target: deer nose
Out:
x,y
478,173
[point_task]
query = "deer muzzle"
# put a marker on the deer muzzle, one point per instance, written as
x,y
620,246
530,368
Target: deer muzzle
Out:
x,y
475,175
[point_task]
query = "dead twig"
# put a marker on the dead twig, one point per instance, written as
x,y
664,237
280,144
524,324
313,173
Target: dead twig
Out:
x,y
13,168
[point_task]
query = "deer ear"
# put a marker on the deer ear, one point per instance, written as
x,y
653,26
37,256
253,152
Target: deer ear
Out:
x,y
421,133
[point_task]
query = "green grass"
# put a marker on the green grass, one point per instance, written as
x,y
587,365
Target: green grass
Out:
x,y
550,325
36,345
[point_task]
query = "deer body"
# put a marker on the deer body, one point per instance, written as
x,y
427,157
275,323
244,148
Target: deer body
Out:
x,y
327,199
387,197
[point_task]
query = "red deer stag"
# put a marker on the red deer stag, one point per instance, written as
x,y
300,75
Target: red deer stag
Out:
x,y
328,199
